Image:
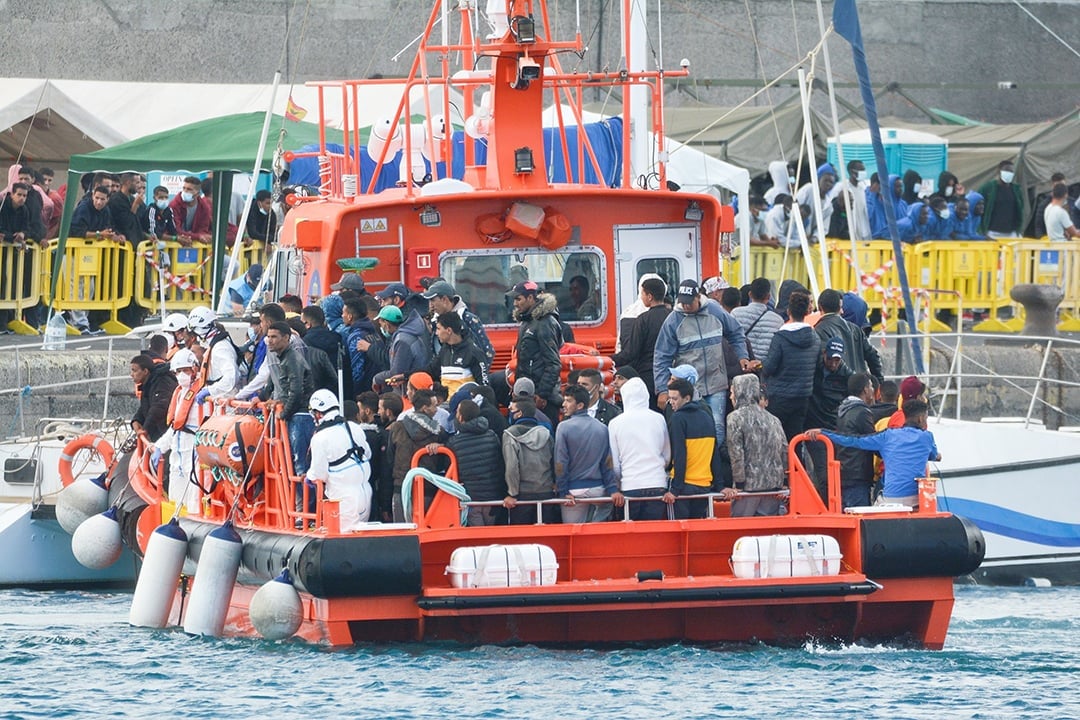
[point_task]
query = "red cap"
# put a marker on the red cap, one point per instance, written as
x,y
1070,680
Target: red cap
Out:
x,y
911,388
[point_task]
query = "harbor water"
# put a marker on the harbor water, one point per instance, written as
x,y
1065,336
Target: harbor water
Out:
x,y
1011,653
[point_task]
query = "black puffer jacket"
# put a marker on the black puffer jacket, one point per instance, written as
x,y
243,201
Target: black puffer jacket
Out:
x,y
830,389
539,340
789,368
479,460
859,354
854,418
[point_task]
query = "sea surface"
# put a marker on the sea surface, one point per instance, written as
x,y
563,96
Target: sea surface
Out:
x,y
1011,653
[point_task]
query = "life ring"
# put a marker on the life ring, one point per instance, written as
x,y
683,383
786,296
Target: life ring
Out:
x,y
90,441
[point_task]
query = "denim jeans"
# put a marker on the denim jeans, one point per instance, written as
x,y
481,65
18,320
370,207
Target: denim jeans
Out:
x,y
717,402
301,429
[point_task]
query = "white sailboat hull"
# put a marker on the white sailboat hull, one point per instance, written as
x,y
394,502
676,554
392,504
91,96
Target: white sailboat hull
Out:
x,y
1022,488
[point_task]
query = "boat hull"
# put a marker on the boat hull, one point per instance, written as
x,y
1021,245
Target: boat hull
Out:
x,y
35,552
387,585
1019,485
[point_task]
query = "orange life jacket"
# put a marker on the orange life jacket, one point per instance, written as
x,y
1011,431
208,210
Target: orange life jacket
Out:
x,y
180,405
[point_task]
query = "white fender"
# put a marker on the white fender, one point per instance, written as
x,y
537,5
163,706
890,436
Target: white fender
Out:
x,y
276,611
80,500
96,543
158,577
219,563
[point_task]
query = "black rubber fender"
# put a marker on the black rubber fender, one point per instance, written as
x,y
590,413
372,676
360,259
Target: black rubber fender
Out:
x,y
946,546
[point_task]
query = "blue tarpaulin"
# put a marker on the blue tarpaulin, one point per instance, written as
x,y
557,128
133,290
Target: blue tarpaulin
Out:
x,y
604,136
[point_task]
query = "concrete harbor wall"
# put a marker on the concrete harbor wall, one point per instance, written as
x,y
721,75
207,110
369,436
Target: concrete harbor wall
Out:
x,y
949,54
983,394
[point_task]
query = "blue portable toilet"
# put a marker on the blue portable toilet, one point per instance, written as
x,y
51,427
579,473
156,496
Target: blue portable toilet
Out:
x,y
925,153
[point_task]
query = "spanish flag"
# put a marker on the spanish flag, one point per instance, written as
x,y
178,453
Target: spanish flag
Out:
x,y
293,111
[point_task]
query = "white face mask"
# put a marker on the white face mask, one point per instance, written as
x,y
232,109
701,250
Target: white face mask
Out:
x,y
943,214
791,180
1007,176
183,379
948,191
251,334
262,210
162,204
187,197
856,176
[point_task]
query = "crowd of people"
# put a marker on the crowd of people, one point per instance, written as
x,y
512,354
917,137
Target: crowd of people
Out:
x,y
923,210
114,207
706,395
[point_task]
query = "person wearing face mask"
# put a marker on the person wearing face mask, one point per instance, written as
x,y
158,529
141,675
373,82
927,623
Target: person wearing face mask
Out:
x,y
949,187
262,222
783,180
183,419
1004,204
941,222
191,212
156,218
855,187
778,222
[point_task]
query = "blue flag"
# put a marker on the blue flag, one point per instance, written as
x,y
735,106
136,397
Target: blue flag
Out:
x,y
846,24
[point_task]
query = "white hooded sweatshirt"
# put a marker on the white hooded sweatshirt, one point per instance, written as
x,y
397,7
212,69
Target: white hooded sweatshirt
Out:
x,y
640,447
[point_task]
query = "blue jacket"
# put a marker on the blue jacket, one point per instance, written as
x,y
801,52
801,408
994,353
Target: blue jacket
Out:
x,y
789,366
697,339
583,455
905,451
968,228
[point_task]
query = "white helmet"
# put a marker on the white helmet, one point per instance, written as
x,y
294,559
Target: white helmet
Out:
x,y
323,401
183,358
201,319
175,322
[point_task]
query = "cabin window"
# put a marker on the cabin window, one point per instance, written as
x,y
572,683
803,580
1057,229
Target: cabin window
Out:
x,y
484,279
667,268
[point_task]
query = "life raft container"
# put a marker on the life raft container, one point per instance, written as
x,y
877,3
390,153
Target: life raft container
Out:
x,y
90,441
231,443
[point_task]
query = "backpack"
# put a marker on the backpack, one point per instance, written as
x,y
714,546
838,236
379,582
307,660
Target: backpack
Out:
x,y
222,335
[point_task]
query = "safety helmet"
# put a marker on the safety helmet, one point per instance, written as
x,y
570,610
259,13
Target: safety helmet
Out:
x,y
323,401
201,319
175,322
183,358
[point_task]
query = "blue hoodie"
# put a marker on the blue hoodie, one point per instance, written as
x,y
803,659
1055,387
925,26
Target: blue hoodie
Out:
x,y
968,228
913,231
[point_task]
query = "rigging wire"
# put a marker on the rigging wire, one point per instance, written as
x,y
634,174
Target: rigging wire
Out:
x,y
1041,24
764,79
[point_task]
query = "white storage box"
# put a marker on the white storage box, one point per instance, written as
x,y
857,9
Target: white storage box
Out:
x,y
502,566
785,556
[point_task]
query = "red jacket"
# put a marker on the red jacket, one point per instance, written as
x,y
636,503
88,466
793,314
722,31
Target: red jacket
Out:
x,y
203,214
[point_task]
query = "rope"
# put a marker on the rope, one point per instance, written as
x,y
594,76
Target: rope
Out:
x,y
443,483
24,393
764,89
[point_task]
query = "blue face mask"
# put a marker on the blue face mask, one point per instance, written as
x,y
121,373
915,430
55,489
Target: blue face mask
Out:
x,y
162,204
187,197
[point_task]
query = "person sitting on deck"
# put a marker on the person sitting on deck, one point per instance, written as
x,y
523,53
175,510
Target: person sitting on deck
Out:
x,y
905,450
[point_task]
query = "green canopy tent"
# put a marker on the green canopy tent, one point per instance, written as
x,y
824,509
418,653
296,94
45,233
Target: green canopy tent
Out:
x,y
225,145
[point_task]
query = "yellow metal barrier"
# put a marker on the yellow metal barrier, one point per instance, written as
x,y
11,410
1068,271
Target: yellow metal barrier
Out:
x,y
769,263
95,275
184,272
1046,263
20,282
252,254
969,270
870,256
